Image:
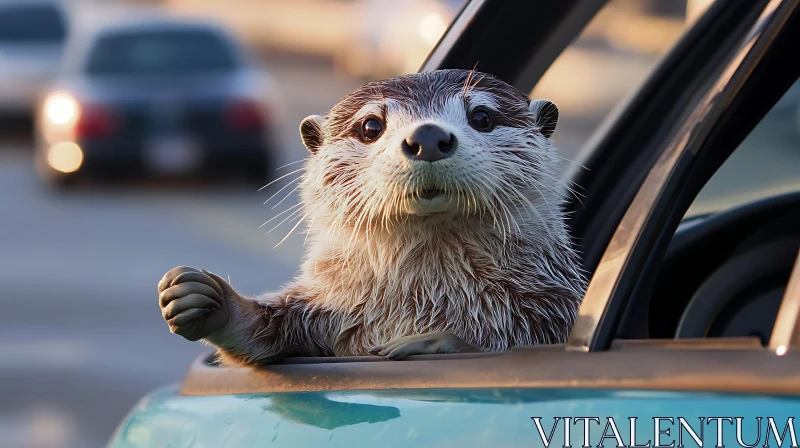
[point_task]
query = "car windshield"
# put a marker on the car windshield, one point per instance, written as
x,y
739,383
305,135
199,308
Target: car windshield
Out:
x,y
31,23
160,53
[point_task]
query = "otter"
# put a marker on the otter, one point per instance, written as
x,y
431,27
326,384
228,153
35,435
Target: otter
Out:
x,y
435,227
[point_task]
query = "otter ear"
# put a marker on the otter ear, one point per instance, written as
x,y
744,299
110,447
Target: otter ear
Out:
x,y
545,114
311,132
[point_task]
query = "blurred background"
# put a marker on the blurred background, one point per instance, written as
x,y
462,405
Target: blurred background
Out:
x,y
135,135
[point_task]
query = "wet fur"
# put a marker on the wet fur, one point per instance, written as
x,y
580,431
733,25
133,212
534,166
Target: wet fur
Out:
x,y
498,272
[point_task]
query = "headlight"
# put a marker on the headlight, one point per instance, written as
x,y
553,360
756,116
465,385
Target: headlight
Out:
x,y
61,109
66,157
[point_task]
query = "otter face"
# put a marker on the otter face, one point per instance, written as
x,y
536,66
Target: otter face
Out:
x,y
444,143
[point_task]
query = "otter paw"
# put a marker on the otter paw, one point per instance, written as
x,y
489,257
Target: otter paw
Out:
x,y
193,302
421,344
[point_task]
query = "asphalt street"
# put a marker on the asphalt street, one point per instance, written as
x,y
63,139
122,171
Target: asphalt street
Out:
x,y
81,336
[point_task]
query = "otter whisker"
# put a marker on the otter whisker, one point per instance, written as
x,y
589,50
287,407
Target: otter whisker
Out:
x,y
287,195
282,177
498,202
566,187
532,174
308,229
289,164
291,231
353,233
468,82
490,200
512,188
479,208
532,183
570,184
531,207
291,215
281,213
570,162
297,179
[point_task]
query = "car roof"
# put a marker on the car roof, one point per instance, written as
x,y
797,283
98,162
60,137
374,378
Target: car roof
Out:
x,y
6,3
96,23
61,6
152,24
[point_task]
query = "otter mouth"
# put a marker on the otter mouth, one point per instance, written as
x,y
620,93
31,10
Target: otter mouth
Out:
x,y
427,194
429,201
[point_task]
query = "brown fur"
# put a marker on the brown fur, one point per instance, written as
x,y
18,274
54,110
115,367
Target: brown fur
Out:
x,y
495,269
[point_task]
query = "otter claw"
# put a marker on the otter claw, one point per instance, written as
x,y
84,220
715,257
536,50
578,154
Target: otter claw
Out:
x,y
187,316
428,343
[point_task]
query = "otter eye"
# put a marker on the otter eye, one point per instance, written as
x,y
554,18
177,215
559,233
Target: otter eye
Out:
x,y
371,129
481,120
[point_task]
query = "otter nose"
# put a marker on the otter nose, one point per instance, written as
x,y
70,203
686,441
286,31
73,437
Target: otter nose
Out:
x,y
429,143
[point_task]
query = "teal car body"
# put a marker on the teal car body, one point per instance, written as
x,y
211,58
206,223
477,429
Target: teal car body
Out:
x,y
457,418
627,356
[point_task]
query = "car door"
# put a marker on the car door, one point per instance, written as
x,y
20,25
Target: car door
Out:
x,y
611,383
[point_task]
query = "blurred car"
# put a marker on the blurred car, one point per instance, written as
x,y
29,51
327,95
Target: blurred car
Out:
x,y
159,97
685,317
393,38
32,38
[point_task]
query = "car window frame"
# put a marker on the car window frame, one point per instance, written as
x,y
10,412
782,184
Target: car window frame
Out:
x,y
631,258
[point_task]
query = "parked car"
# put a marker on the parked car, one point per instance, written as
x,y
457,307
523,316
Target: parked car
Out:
x,y
157,97
690,315
32,38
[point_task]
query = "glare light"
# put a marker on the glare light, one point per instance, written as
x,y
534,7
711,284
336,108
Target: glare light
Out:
x,y
66,157
781,350
431,27
61,109
696,8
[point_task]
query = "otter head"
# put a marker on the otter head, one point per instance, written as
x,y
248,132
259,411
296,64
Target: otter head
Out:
x,y
442,145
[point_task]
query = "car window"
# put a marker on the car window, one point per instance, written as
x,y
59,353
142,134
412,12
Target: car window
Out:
x,y
610,59
161,52
31,23
725,275
766,163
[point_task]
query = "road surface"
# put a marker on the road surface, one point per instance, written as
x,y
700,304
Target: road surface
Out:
x,y
81,336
